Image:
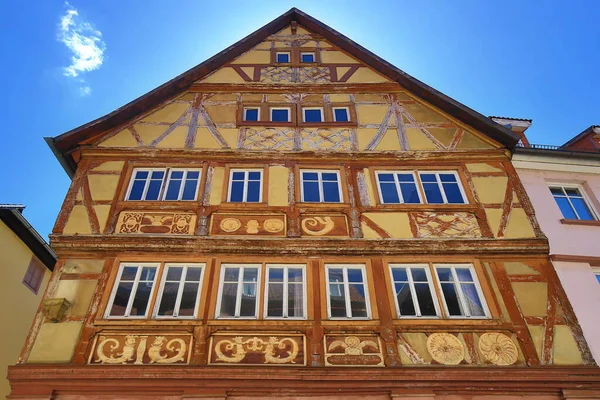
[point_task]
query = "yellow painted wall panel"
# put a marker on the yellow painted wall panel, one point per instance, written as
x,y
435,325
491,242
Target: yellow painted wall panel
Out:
x,y
341,71
369,233
491,189
263,46
482,167
83,266
230,135
390,141
371,189
537,336
532,298
396,224
371,114
223,97
223,75
519,268
251,97
55,343
175,139
364,136
418,141
336,57
470,141
79,195
424,114
205,140
110,166
418,342
493,216
566,351
367,75
121,139
370,98
216,190
518,225
102,212
278,185
341,98
443,135
149,132
222,114
254,57
169,113
103,187
78,292
496,289
78,222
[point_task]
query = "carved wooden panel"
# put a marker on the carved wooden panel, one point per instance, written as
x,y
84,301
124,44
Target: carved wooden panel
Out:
x,y
139,348
248,224
326,139
351,350
435,224
156,222
267,139
277,74
280,348
321,225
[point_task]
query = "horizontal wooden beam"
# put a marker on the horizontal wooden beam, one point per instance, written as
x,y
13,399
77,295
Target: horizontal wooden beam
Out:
x,y
298,88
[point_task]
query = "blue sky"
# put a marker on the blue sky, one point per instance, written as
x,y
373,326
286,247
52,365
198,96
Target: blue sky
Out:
x,y
527,59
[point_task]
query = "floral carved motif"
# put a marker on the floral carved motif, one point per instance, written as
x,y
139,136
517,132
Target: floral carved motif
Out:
x,y
259,349
156,222
326,139
434,224
267,139
324,225
353,350
498,348
134,349
251,224
277,74
445,348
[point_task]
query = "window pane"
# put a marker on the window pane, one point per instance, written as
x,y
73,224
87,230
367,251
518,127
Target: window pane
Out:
x,y
276,275
410,193
310,176
331,192
189,190
228,300
237,191
294,274
251,114
358,302
231,274
447,178
188,299
389,193
174,273
143,175
572,192
419,274
385,177
428,178
432,193
341,114
453,194
312,115
254,175
250,274
425,299
472,299
464,274
193,274
565,207
405,301
137,190
329,176
142,297
248,305
308,58
582,209
451,297
129,273
295,300
238,176
355,275
337,300
153,189
399,274
148,273
445,274
121,299
169,297
279,115
311,191
275,304
283,57
336,275
557,191
598,277
253,194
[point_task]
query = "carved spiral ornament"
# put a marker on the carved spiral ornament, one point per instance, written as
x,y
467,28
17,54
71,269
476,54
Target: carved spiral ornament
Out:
x,y
445,348
498,348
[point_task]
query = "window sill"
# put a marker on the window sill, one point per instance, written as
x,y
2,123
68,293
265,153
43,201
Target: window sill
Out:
x,y
449,321
580,222
266,124
423,207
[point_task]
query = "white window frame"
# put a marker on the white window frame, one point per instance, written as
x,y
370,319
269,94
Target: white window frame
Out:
x,y
461,295
283,52
397,184
240,288
246,180
182,282
596,272
147,184
341,108
289,110
312,53
441,187
285,291
313,108
251,108
320,183
183,179
346,285
580,189
413,292
133,291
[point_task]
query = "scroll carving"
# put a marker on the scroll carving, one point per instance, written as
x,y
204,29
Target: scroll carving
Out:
x,y
120,348
257,349
324,225
156,222
364,350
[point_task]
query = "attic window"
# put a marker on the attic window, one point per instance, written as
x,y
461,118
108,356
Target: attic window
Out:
x,y
307,57
251,114
283,57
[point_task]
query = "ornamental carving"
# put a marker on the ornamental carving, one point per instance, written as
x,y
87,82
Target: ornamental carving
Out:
x,y
326,139
364,350
139,349
434,224
250,224
258,349
445,348
324,225
156,222
498,348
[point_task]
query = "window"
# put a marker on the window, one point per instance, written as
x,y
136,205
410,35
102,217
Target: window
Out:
x,y
245,186
442,188
320,186
307,57
132,292
571,202
283,57
280,114
148,184
238,292
182,184
347,293
312,114
180,291
285,291
251,114
341,114
460,291
34,275
398,187
597,273
413,291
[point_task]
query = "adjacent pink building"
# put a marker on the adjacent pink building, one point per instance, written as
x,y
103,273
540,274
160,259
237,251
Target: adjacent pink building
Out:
x,y
563,183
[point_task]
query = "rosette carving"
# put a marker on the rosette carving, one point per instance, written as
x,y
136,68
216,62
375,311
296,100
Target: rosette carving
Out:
x,y
498,348
445,348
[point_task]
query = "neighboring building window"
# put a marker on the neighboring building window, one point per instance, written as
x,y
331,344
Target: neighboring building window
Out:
x,y
571,202
398,187
280,114
460,291
182,184
597,273
321,186
251,114
238,291
245,186
132,292
442,188
347,293
341,114
34,275
307,57
283,57
179,293
413,291
312,114
284,296
148,184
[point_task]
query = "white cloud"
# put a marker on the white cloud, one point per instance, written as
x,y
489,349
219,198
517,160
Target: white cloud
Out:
x,y
85,44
